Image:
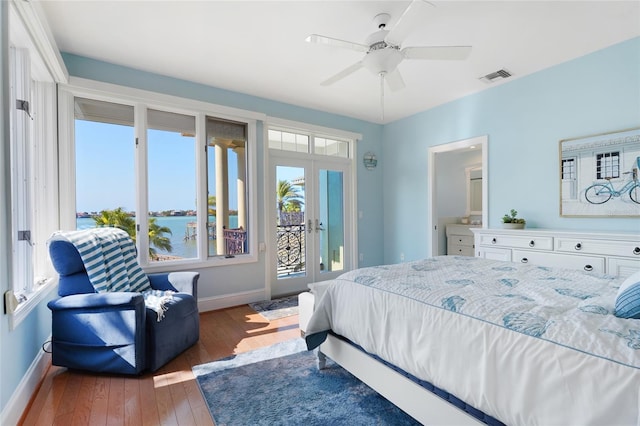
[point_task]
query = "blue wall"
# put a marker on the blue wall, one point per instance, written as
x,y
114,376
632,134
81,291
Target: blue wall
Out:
x,y
524,119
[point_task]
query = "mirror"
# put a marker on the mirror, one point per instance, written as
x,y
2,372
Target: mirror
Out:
x,y
474,190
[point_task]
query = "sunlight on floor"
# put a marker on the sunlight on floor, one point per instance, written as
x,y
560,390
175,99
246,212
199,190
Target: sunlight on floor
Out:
x,y
172,378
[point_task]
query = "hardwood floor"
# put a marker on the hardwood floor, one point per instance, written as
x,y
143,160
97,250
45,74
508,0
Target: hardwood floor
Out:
x,y
170,396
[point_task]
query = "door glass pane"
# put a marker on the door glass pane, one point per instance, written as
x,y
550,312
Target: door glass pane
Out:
x,y
291,235
105,165
331,222
226,187
172,186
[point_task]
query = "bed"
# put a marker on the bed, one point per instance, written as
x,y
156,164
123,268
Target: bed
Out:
x,y
524,344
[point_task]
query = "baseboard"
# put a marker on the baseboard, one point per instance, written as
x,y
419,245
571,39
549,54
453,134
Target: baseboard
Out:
x,y
229,300
26,389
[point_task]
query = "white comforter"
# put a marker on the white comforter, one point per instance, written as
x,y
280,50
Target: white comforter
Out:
x,y
526,344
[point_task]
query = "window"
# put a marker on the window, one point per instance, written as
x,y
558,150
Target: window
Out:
x,y
287,141
226,187
171,173
33,205
608,165
172,178
283,140
104,164
569,169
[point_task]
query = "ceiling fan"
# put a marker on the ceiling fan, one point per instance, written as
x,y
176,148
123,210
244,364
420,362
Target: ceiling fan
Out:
x,y
383,51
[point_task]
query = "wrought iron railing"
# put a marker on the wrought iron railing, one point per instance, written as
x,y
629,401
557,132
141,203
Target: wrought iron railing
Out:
x,y
235,241
291,249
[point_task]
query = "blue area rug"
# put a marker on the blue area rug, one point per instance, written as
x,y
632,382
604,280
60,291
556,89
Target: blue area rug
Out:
x,y
277,308
281,385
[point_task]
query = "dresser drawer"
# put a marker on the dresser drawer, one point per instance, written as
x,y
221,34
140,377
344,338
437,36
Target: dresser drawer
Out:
x,y
458,250
517,241
603,247
594,264
494,253
461,240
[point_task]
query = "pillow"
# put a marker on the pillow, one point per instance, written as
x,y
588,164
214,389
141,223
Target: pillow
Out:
x,y
628,298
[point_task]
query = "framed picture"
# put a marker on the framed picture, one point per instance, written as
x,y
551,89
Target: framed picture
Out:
x,y
599,175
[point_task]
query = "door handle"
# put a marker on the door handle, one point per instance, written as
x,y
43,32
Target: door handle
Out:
x,y
309,226
319,226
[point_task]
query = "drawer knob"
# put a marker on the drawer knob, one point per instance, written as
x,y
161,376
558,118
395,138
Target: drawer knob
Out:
x,y
636,251
588,268
493,241
532,243
524,260
578,246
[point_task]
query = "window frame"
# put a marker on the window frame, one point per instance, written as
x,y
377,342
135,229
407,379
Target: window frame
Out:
x,y
604,163
44,69
143,100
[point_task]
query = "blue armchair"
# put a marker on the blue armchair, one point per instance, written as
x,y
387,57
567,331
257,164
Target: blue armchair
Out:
x,y
114,332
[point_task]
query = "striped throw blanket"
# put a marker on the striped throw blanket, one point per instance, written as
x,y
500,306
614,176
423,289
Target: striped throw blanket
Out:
x,y
109,256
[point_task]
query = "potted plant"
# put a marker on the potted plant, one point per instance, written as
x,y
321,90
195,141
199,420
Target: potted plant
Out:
x,y
512,221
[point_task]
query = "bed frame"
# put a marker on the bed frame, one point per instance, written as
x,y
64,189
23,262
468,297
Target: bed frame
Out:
x,y
418,402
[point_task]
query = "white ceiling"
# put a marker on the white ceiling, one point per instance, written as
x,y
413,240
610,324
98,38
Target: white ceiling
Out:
x,y
259,48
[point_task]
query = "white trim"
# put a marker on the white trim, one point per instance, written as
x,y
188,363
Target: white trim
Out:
x,y
33,299
19,401
228,300
108,91
306,128
483,141
35,23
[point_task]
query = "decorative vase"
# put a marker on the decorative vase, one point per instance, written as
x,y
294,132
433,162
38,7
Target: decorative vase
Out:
x,y
513,225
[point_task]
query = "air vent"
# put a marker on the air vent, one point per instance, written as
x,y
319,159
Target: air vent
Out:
x,y
497,75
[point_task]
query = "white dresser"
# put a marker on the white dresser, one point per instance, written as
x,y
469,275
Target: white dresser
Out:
x,y
611,253
460,239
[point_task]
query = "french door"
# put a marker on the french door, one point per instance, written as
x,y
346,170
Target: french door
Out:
x,y
311,224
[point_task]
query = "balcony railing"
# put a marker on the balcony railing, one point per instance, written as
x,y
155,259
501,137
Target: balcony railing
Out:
x,y
291,250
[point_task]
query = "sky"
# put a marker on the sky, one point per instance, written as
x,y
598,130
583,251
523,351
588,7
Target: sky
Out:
x,y
105,169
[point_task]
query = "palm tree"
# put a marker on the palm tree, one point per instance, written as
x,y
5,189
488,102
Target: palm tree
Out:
x,y
211,203
158,239
289,197
121,219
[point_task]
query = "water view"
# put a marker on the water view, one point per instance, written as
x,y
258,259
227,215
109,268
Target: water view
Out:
x,y
182,247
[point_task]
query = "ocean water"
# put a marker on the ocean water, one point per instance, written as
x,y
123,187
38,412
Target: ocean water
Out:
x,y
182,247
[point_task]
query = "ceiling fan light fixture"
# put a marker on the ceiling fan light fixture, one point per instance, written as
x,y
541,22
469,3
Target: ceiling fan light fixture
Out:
x,y
382,60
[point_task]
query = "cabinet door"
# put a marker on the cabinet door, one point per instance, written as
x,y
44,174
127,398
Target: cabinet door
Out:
x,y
494,253
622,267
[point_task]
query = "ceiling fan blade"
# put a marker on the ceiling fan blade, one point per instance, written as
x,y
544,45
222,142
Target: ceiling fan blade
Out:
x,y
451,53
336,42
409,20
342,74
394,80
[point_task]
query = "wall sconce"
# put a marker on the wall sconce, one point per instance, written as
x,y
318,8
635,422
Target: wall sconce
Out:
x,y
370,161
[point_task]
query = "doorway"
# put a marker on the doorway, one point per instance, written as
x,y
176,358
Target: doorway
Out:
x,y
310,225
438,158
